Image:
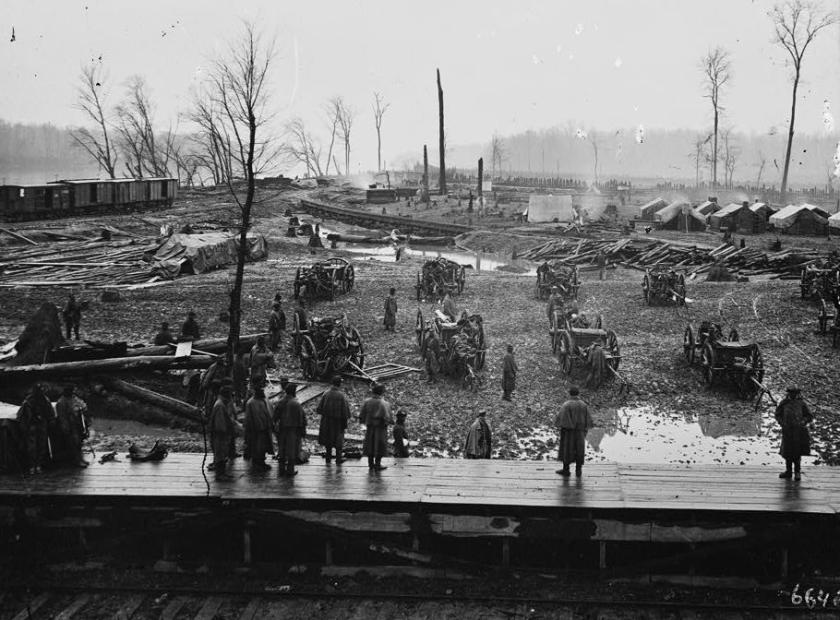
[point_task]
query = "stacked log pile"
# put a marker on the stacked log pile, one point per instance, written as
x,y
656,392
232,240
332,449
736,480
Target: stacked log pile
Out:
x,y
94,262
643,254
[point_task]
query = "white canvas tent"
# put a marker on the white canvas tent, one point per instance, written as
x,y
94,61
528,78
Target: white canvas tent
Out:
x,y
834,220
549,209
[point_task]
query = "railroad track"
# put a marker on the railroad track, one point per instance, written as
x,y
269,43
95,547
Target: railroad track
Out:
x,y
366,219
65,602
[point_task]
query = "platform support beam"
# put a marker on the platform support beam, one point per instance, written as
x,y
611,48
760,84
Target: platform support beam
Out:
x,y
784,566
246,542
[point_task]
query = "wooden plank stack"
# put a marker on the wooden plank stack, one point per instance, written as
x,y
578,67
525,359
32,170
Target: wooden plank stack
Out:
x,y
643,254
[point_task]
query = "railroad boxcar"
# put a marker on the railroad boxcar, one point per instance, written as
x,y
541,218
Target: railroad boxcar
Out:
x,y
27,202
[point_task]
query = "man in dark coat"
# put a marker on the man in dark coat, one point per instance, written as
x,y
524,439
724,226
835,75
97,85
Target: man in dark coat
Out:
x,y
261,359
72,315
390,310
73,426
376,416
222,428
478,444
573,422
793,416
34,417
258,441
302,320
335,412
509,369
211,380
400,436
431,355
276,325
190,329
291,430
164,336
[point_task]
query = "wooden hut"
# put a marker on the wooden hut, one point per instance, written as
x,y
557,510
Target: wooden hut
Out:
x,y
679,216
647,211
707,208
800,220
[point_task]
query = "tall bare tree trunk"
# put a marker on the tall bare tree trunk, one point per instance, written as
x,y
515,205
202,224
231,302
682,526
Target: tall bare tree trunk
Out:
x,y
441,138
480,177
783,191
425,196
715,151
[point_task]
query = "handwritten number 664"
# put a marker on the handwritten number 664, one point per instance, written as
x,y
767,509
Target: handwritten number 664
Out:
x,y
812,600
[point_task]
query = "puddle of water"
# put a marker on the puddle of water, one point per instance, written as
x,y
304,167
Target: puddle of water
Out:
x,y
645,435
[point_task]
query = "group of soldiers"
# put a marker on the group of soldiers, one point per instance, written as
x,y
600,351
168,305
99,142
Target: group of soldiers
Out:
x,y
45,434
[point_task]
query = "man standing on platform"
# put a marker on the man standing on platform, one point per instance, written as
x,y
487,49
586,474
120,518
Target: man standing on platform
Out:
x,y
74,425
376,416
258,440
793,416
400,436
478,444
573,421
222,428
276,325
509,370
190,329
391,310
164,336
34,417
290,431
335,412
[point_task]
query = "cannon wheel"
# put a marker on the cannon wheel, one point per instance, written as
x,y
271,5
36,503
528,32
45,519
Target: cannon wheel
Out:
x,y
462,278
564,354
689,344
297,283
755,371
349,278
822,317
646,289
358,356
481,355
308,358
707,359
733,335
613,349
420,329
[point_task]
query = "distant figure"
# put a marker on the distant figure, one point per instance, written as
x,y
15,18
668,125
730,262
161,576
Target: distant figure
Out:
x,y
190,329
793,416
258,441
601,261
555,302
291,431
72,315
431,355
261,358
376,416
164,336
398,254
400,436
276,325
74,427
743,242
449,307
509,369
573,422
334,410
479,439
222,429
390,310
777,245
648,229
34,417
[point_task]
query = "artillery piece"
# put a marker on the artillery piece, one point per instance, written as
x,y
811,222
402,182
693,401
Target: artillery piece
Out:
x,y
664,286
725,359
438,277
459,348
579,342
820,282
325,279
555,274
829,322
328,346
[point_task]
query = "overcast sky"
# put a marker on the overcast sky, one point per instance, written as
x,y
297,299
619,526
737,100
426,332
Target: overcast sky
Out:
x,y
506,66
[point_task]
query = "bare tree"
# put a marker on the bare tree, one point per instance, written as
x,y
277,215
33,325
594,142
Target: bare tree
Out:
x,y
797,23
594,140
698,154
344,117
730,157
497,151
379,109
717,71
333,108
144,152
92,101
303,148
213,145
762,161
441,137
238,88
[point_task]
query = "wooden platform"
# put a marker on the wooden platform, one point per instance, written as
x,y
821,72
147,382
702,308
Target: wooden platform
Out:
x,y
450,483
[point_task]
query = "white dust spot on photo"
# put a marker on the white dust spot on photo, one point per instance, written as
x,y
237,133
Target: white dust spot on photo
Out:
x,y
536,59
772,131
559,48
618,62
579,29
837,161
828,117
640,134
580,134
571,56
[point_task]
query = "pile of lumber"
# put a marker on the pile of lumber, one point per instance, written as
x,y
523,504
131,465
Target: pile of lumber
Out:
x,y
94,262
643,254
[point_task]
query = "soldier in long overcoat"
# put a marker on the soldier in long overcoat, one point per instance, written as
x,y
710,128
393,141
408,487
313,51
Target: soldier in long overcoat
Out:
x,y
335,412
793,416
573,421
376,416
291,429
258,440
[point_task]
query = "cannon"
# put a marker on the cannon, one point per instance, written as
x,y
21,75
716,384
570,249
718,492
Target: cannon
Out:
x,y
325,279
438,277
553,274
460,348
663,286
725,359
828,322
579,342
328,346
817,283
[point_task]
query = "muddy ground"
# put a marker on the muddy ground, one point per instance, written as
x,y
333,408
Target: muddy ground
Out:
x,y
668,415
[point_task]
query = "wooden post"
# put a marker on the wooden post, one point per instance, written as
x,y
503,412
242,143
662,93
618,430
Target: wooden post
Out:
x,y
246,542
442,138
480,178
425,196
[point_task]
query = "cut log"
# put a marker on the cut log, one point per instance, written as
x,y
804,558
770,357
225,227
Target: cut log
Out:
x,y
18,236
210,345
92,367
161,401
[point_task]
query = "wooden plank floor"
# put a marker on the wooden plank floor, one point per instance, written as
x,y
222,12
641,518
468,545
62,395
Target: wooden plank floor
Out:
x,y
451,482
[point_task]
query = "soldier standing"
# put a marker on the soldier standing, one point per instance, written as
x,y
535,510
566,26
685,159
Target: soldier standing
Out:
x,y
258,441
431,354
478,443
376,416
190,329
222,428
34,416
391,310
335,412
509,370
72,315
74,425
574,421
290,432
793,416
400,436
276,325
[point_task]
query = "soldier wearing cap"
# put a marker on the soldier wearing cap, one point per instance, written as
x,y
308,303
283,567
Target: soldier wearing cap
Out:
x,y
164,336
400,436
573,421
376,416
479,439
222,425
291,429
335,412
793,416
276,325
